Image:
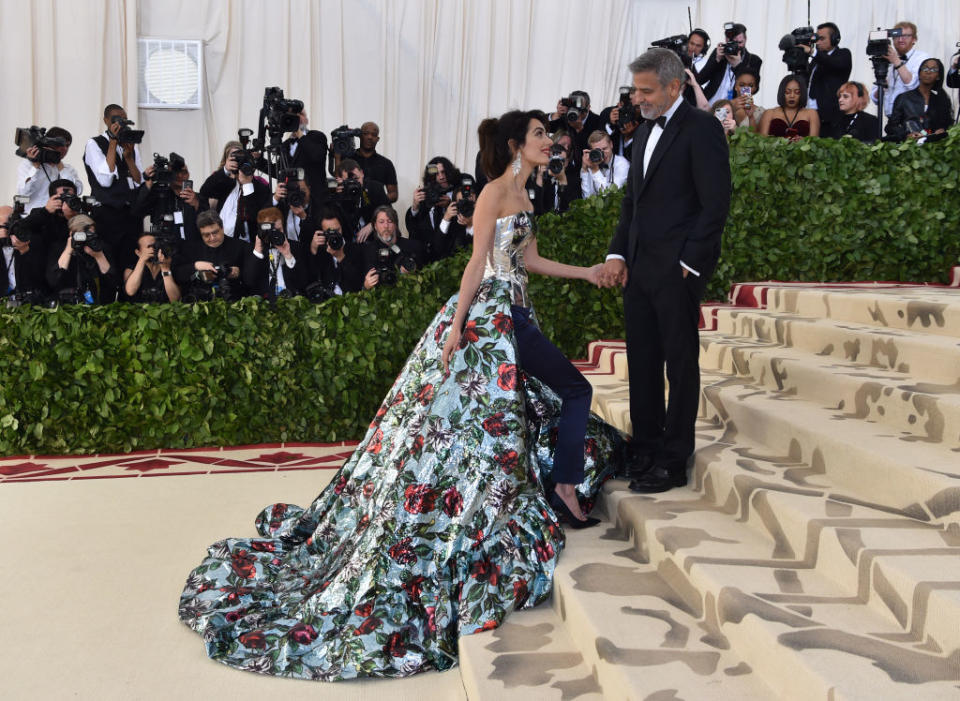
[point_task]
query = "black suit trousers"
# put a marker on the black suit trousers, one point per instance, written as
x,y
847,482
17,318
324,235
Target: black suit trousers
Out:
x,y
662,320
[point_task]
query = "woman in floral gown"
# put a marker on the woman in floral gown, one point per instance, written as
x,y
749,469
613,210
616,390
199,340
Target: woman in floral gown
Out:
x,y
445,518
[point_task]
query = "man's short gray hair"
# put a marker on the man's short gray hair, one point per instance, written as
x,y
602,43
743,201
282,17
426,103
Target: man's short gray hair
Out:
x,y
664,62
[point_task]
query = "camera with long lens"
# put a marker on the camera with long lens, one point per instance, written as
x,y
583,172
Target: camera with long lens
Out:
x,y
27,137
466,206
291,179
432,191
86,237
14,225
270,235
731,47
557,160
385,269
165,170
342,141
166,239
678,45
281,115
878,44
596,155
246,163
629,114
576,108
126,135
334,238
81,205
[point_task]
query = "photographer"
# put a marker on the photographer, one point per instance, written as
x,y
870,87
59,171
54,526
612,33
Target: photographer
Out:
x,y
853,121
621,122
829,69
235,194
23,274
924,110
113,166
455,230
334,265
211,266
573,114
307,148
600,168
373,165
430,201
903,73
48,224
168,192
555,185
386,254
82,273
953,77
716,77
274,266
292,198
358,196
42,165
150,279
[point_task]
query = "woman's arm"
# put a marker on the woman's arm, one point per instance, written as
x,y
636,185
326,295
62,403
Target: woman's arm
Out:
x,y
535,263
764,127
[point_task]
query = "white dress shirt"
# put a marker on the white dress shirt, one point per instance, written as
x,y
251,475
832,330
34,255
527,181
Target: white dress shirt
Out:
x,y
33,180
284,262
97,160
11,282
895,84
228,213
592,183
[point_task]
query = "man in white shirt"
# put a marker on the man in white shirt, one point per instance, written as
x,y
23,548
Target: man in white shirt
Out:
x,y
698,44
114,172
44,165
904,71
601,168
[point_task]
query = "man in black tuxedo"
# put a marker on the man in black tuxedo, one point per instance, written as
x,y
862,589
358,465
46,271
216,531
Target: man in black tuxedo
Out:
x,y
829,69
716,77
663,252
307,149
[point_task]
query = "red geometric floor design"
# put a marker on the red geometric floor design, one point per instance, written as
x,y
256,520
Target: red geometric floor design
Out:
x,y
269,457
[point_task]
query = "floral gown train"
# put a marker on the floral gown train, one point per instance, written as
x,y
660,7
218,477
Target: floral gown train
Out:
x,y
436,527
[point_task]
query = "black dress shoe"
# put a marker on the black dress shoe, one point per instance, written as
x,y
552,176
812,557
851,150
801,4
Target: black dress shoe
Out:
x,y
638,465
566,516
658,479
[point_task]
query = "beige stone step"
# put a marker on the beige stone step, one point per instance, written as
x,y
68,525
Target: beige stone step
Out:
x,y
867,463
879,559
530,656
872,394
795,628
927,358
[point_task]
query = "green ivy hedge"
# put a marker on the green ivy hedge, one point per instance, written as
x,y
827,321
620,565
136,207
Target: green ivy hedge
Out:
x,y
129,377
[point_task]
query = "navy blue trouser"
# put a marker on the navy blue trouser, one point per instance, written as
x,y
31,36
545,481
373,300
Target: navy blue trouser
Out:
x,y
541,359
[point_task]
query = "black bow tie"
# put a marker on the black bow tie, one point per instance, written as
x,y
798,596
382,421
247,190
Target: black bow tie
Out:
x,y
662,121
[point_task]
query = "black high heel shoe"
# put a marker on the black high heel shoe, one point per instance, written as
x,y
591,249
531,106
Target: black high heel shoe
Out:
x,y
567,517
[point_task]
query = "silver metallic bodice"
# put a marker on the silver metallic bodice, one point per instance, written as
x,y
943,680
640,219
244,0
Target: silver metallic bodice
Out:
x,y
505,261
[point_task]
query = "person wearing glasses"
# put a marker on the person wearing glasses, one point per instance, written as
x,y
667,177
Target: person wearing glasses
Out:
x,y
374,165
904,71
924,110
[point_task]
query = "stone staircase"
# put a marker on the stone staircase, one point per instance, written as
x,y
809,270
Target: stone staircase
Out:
x,y
814,554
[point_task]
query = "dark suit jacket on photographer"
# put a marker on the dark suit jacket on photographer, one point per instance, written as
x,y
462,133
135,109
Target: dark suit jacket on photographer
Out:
x,y
256,271
228,254
310,153
910,106
82,275
347,274
592,123
712,74
445,244
401,246
185,216
46,230
553,198
828,72
422,228
219,186
296,229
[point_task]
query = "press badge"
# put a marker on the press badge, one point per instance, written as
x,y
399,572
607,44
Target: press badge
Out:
x,y
178,218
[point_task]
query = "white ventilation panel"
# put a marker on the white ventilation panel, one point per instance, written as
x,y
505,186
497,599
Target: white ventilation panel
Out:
x,y
170,73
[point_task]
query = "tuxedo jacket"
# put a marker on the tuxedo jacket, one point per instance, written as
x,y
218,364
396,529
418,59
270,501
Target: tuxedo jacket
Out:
x,y
348,274
676,210
861,126
256,271
829,72
311,155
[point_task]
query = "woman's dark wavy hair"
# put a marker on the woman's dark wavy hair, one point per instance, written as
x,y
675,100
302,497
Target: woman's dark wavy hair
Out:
x,y
451,171
782,90
495,135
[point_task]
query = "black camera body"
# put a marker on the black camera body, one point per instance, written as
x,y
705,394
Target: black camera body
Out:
x,y
807,36
291,179
165,233
878,42
335,239
628,114
342,141
596,155
84,205
86,237
281,115
576,108
126,135
556,163
793,55
318,292
466,207
385,268
14,225
165,169
432,190
731,48
270,235
677,44
27,137
246,163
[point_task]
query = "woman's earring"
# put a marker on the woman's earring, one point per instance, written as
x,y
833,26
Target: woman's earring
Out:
x,y
516,165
